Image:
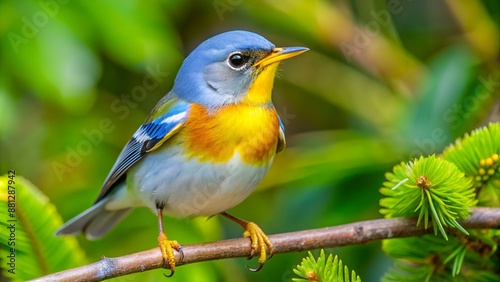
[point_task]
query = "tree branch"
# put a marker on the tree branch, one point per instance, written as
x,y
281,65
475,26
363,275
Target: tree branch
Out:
x,y
336,236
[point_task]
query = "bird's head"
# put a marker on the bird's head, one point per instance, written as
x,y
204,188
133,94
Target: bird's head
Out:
x,y
230,68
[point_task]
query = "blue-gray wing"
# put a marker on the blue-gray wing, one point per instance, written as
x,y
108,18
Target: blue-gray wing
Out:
x,y
166,119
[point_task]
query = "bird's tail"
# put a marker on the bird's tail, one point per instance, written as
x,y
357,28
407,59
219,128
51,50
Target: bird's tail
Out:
x,y
93,222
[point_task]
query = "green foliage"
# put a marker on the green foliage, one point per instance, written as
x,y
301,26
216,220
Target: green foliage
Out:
x,y
324,269
437,186
35,219
431,258
429,187
74,90
477,155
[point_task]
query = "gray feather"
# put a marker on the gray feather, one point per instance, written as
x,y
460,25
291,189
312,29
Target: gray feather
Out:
x,y
93,222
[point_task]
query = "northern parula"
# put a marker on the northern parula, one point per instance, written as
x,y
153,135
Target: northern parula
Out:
x,y
205,146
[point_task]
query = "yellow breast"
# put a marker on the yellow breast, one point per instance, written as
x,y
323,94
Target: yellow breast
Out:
x,y
252,131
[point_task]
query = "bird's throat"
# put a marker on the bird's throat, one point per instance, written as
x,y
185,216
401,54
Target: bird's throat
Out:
x,y
261,89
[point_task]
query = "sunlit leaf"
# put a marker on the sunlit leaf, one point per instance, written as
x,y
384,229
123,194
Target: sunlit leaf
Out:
x,y
29,245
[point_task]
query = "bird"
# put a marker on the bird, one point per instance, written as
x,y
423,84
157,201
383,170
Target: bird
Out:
x,y
204,147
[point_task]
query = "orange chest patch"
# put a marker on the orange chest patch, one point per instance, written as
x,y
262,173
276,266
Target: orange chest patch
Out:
x,y
251,131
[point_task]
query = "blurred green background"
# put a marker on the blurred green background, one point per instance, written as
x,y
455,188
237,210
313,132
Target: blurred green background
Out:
x,y
384,82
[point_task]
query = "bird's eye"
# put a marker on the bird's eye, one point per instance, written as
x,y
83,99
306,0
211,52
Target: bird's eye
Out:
x,y
237,60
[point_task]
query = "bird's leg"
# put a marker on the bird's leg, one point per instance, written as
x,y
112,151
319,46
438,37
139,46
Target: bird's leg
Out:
x,y
258,239
166,246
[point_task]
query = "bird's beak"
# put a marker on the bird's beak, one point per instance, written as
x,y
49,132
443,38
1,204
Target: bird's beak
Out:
x,y
279,54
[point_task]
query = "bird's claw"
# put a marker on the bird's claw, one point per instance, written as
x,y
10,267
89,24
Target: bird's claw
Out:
x,y
261,264
170,275
260,243
167,248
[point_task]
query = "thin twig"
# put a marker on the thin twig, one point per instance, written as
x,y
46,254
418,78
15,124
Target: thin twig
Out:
x,y
336,236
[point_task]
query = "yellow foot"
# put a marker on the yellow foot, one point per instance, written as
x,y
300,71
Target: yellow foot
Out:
x,y
167,248
260,243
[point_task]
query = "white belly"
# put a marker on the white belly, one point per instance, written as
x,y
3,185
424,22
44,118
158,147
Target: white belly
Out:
x,y
188,187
